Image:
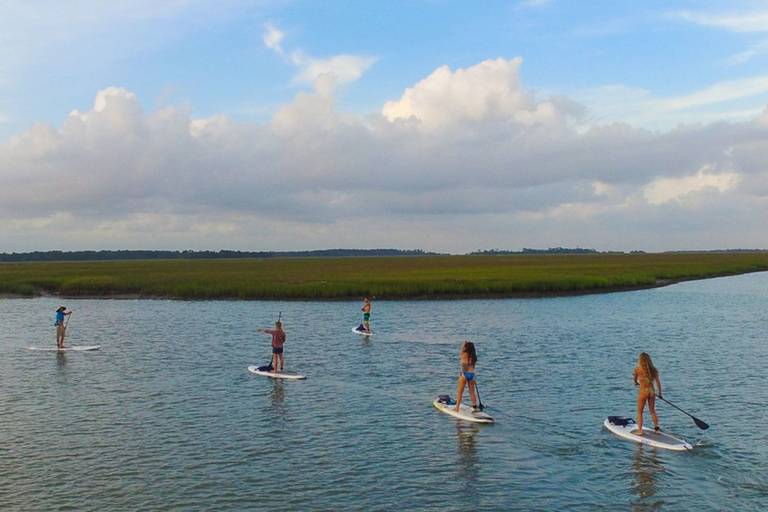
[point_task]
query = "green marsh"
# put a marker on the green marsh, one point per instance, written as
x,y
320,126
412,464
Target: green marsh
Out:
x,y
388,277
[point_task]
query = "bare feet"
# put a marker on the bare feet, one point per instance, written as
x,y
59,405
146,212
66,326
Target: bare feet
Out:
x,y
638,432
456,408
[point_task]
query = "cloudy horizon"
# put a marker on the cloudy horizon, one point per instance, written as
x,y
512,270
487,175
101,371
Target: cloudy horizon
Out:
x,y
249,127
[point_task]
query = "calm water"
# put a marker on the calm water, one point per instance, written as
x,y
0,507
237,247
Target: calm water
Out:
x,y
166,417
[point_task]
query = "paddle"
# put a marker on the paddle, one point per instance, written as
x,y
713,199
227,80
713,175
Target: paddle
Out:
x,y
697,421
479,401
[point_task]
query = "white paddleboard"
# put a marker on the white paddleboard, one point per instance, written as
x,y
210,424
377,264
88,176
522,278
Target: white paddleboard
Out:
x,y
358,330
264,372
626,428
446,404
74,348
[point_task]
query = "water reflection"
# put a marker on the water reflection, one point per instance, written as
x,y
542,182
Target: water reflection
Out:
x,y
647,466
468,470
61,359
277,395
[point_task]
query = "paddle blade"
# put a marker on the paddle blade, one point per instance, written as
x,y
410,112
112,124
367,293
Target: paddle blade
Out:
x,y
700,424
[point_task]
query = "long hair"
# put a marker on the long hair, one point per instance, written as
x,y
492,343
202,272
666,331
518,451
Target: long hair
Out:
x,y
469,348
646,365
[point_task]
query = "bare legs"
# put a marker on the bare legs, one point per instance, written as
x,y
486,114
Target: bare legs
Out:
x,y
460,392
641,400
61,332
275,359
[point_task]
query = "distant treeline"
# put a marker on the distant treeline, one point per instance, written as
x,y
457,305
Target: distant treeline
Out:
x,y
578,250
199,255
551,250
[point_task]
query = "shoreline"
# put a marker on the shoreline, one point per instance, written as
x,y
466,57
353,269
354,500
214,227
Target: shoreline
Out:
x,y
660,283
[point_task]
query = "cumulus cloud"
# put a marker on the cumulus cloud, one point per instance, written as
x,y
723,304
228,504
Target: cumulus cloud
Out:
x,y
464,159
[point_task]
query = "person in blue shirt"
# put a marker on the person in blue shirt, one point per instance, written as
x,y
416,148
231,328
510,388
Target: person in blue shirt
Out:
x,y
61,327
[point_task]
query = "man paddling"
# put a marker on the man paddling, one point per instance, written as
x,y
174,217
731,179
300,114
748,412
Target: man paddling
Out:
x,y
61,327
278,340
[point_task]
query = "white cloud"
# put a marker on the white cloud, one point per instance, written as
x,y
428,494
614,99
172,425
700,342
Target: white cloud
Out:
x,y
756,21
343,68
663,190
723,101
760,48
273,38
465,159
487,92
718,93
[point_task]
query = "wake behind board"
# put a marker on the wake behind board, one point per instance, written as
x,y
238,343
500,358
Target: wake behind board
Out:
x,y
265,372
626,428
361,330
445,404
73,348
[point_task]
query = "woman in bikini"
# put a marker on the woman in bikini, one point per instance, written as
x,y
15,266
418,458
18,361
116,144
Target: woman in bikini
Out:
x,y
467,376
645,375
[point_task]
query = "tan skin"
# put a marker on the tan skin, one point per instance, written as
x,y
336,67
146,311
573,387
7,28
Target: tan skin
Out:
x,y
467,366
275,357
367,309
647,395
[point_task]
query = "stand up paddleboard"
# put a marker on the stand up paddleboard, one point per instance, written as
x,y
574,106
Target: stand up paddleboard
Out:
x,y
446,404
66,349
264,371
361,330
626,428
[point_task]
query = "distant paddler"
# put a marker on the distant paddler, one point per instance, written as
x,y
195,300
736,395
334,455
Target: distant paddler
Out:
x,y
278,340
366,314
61,325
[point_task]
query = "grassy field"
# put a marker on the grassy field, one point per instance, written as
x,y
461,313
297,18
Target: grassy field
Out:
x,y
382,277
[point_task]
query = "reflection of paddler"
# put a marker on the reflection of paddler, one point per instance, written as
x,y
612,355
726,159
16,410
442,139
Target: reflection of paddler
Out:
x,y
468,468
646,465
645,375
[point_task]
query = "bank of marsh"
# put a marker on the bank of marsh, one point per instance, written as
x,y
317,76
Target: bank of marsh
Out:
x,y
383,277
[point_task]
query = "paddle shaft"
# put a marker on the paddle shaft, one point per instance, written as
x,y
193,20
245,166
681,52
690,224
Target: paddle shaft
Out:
x,y
702,425
479,401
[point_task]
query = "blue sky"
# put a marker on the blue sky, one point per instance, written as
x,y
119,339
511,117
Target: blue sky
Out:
x,y
442,125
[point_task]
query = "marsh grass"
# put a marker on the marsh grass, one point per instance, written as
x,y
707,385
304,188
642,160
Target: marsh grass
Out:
x,y
383,277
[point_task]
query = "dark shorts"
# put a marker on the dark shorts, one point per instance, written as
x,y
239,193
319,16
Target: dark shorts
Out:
x,y
276,350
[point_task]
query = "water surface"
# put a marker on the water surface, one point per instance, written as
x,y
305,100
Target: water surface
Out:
x,y
166,417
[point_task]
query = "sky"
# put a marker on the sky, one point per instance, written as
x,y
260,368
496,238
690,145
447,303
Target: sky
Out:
x,y
442,125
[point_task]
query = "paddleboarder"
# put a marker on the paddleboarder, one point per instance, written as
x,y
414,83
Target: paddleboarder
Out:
x,y
467,375
645,375
366,314
61,326
278,340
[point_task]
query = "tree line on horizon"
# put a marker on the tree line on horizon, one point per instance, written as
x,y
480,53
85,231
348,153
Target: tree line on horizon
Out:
x,y
108,255
125,254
